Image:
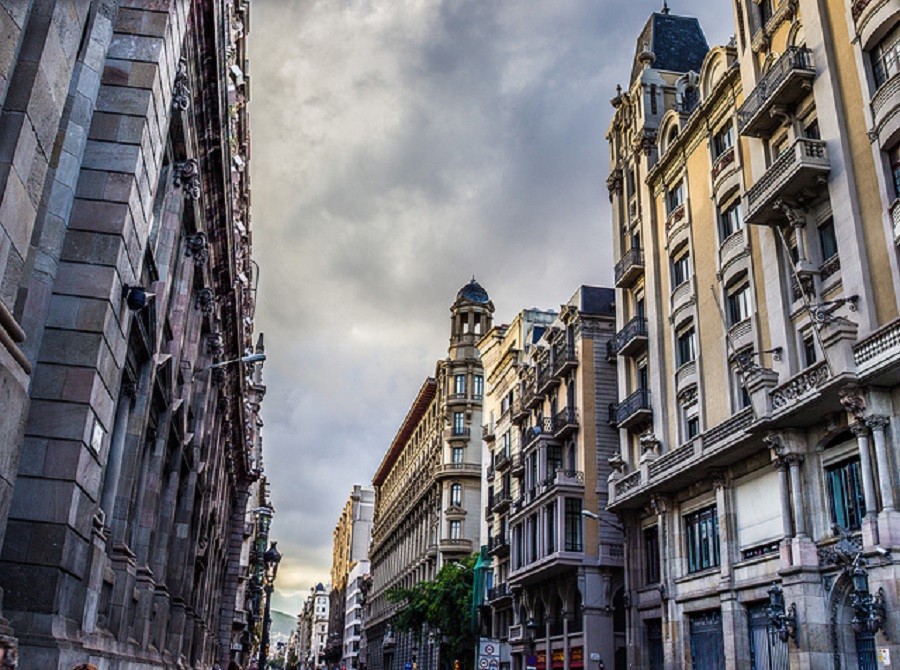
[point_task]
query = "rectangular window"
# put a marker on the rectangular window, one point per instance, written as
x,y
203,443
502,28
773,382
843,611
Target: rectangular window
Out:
x,y
737,305
731,220
681,269
655,649
675,197
809,350
459,423
811,130
701,531
478,391
459,386
651,555
845,494
894,158
456,529
692,427
886,57
686,347
554,461
456,495
827,239
551,528
574,537
723,141
457,454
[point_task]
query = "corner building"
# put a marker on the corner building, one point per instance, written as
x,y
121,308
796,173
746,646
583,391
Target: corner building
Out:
x,y
556,592
126,462
428,487
754,190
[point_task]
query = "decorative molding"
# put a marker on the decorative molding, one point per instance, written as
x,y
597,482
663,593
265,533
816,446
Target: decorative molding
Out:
x,y
181,92
187,177
197,247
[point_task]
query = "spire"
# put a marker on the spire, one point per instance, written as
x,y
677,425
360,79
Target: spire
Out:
x,y
665,9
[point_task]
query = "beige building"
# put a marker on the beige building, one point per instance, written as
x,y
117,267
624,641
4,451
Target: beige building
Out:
x,y
556,592
753,189
428,486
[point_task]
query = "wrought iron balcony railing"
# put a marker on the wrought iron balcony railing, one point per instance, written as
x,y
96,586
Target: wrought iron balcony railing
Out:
x,y
786,82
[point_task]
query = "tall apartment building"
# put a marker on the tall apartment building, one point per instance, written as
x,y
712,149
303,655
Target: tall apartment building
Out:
x,y
352,535
125,272
354,614
753,189
557,586
428,486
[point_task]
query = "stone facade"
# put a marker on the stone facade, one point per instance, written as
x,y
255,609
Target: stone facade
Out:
x,y
557,587
126,462
428,486
757,275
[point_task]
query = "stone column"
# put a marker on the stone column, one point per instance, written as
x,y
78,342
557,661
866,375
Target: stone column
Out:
x,y
794,461
720,484
885,479
861,431
786,524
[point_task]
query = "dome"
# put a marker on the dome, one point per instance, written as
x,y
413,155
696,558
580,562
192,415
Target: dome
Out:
x,y
473,292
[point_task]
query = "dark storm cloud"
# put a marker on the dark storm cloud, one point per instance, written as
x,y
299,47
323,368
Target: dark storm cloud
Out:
x,y
400,146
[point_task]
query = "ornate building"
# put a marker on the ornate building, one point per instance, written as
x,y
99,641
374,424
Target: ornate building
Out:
x,y
352,535
428,486
129,445
556,592
754,190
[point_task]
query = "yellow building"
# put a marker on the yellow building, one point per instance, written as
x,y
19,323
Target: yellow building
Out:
x,y
754,190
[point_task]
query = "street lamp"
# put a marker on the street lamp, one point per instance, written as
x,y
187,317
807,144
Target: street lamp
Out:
x,y
868,611
271,559
783,623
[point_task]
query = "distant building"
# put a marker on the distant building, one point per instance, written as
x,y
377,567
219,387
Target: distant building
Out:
x,y
127,461
352,535
354,614
312,628
754,191
428,486
557,588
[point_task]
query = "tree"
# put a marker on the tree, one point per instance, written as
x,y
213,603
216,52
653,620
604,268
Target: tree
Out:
x,y
443,604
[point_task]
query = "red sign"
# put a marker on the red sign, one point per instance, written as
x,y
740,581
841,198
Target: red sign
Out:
x,y
576,657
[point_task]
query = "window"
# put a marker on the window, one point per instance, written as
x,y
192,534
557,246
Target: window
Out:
x,y
685,347
779,145
691,421
809,350
554,461
845,494
505,442
551,528
886,57
730,220
651,555
737,304
459,423
643,378
742,396
457,454
574,539
701,531
827,239
681,268
894,157
655,649
479,387
723,141
675,197
459,386
456,529
456,495
811,130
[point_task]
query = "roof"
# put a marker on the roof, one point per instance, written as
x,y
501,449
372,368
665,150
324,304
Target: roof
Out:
x,y
473,292
415,414
677,42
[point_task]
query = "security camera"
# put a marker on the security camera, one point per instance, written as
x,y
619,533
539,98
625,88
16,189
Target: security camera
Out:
x,y
884,552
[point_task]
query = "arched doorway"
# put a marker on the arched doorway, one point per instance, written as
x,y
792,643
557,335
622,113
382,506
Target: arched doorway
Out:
x,y
852,650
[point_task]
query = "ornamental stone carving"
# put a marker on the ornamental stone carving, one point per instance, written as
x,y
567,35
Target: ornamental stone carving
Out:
x,y
215,344
187,178
205,300
197,247
181,93
800,385
853,401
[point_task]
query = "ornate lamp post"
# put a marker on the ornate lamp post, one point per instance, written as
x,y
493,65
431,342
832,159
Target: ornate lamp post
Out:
x,y
271,559
783,623
868,610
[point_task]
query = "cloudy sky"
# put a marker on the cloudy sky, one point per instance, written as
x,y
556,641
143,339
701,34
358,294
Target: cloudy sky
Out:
x,y
400,147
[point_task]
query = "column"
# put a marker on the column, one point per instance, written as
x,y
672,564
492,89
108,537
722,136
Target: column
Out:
x,y
720,484
786,525
794,461
861,431
885,480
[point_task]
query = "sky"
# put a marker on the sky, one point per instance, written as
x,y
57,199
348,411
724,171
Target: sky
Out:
x,y
399,148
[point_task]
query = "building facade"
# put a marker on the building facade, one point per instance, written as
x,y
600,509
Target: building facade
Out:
x,y
754,190
557,588
428,486
125,273
354,615
352,535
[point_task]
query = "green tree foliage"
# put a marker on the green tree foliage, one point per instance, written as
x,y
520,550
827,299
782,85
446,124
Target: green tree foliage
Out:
x,y
444,605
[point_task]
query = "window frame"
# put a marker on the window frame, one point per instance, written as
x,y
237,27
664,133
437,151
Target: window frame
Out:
x,y
701,537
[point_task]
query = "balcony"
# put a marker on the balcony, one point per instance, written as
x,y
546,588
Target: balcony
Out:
x,y
519,410
518,465
734,247
886,110
677,224
499,545
487,432
490,473
501,460
741,334
683,296
797,175
459,432
532,434
632,338
545,380
500,501
573,479
564,358
629,267
635,410
564,422
870,16
448,470
685,376
498,592
455,546
787,82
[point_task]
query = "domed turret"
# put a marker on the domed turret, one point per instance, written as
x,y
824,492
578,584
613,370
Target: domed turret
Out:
x,y
473,292
472,316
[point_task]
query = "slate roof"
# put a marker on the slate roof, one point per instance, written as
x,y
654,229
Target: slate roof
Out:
x,y
677,41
